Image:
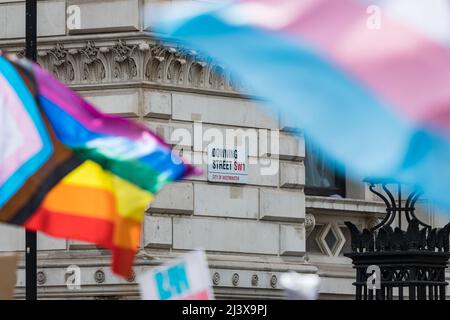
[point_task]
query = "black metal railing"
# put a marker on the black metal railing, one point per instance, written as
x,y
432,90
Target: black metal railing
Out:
x,y
409,264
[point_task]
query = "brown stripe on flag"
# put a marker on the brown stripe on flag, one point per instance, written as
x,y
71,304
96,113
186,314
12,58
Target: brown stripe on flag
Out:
x,y
42,180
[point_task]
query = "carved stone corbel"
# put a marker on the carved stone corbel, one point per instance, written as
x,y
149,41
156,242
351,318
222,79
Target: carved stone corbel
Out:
x,y
93,63
124,66
310,223
61,63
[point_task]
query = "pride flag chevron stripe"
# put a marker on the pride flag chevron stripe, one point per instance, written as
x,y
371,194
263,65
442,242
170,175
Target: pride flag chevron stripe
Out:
x,y
77,173
18,166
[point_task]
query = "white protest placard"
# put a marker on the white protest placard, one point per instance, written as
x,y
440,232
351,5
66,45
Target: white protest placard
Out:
x,y
227,164
186,279
300,286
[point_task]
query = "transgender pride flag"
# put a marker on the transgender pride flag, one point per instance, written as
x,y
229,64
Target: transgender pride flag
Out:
x,y
368,81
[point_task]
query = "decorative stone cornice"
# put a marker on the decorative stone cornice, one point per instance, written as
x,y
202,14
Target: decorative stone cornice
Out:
x,y
120,61
232,275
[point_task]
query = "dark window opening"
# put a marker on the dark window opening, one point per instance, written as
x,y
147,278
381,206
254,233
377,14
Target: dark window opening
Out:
x,y
323,178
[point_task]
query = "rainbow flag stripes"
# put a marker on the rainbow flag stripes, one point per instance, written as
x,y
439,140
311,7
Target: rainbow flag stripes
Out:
x,y
72,172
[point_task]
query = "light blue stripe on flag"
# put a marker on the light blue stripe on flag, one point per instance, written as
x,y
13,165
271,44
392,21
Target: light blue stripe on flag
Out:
x,y
350,123
17,179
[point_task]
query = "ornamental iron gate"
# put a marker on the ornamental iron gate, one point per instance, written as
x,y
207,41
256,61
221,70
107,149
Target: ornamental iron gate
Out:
x,y
396,264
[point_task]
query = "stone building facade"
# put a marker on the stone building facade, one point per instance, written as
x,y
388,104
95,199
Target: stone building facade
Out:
x,y
252,232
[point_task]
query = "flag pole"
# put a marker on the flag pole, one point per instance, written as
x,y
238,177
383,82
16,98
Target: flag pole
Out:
x,y
30,236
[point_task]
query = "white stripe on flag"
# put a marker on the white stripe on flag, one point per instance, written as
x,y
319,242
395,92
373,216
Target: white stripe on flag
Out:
x,y
429,17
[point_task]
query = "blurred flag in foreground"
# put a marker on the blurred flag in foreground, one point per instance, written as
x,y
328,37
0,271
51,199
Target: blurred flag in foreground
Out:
x,y
72,172
186,279
368,81
300,286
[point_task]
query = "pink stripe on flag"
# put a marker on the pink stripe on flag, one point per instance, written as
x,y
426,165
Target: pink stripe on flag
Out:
x,y
30,140
202,295
400,65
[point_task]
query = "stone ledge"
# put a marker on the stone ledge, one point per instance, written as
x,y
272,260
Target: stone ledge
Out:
x,y
107,16
292,175
281,205
226,235
235,201
315,204
12,16
177,198
245,266
292,240
337,286
157,232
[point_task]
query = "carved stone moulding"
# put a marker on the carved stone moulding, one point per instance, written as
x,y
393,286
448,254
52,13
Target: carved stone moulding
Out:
x,y
94,62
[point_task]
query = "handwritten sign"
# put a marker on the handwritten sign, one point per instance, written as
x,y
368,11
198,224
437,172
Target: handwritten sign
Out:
x,y
185,279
